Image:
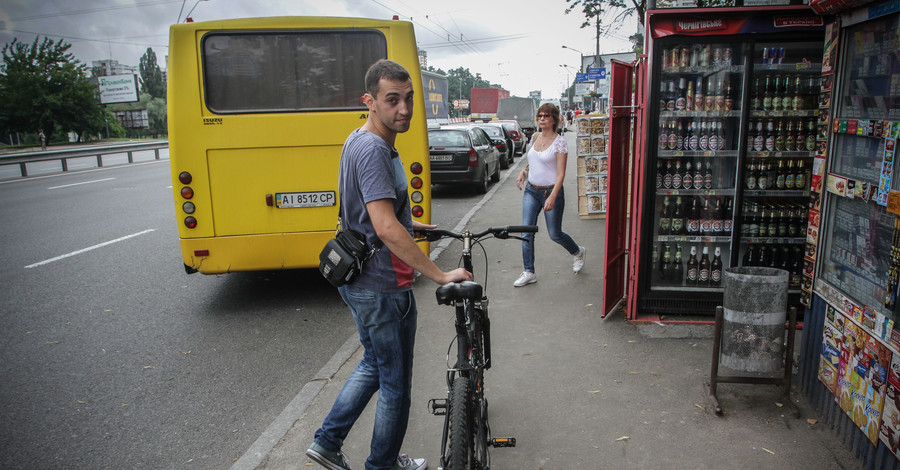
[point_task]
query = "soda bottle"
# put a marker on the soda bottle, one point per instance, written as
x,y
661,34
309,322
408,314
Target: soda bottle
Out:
x,y
715,270
693,271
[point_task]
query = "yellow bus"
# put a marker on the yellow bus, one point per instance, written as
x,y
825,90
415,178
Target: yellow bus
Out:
x,y
259,109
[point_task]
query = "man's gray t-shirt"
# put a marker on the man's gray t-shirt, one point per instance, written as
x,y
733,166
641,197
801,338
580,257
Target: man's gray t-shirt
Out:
x,y
371,170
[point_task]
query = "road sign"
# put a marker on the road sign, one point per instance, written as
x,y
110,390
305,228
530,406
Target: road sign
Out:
x,y
596,73
581,77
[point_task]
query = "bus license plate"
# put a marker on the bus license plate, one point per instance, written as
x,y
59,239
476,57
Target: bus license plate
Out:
x,y
306,199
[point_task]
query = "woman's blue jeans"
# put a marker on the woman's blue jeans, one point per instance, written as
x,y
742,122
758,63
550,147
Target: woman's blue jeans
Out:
x,y
532,204
387,330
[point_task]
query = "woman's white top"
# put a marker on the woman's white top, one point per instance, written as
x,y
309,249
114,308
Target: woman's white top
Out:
x,y
542,165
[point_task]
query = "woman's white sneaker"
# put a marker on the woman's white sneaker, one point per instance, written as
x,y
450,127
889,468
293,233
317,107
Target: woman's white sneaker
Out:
x,y
525,279
579,260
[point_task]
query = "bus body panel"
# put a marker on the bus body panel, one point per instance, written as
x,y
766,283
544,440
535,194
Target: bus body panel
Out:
x,y
239,161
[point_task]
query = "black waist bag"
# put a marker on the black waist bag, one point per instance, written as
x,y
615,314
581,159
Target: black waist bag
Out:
x,y
343,257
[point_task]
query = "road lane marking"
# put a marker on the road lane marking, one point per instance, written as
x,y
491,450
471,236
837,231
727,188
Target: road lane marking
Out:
x,y
85,250
79,184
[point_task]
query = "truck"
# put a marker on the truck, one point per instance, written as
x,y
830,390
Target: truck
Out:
x,y
436,88
519,109
484,102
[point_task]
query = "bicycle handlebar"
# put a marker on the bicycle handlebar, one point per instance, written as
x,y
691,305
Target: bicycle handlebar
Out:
x,y
498,232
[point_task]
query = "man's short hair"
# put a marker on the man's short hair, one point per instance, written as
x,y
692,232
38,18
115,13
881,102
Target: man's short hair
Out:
x,y
386,69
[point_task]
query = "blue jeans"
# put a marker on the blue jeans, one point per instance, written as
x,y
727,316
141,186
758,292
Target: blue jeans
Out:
x,y
532,204
387,330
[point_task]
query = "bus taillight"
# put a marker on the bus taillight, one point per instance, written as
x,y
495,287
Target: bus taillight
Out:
x,y
416,182
187,192
416,168
190,222
185,177
417,211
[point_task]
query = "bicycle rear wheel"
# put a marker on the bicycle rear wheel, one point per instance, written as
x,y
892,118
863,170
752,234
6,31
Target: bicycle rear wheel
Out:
x,y
461,439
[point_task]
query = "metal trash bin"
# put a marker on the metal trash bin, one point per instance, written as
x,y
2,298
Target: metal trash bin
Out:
x,y
755,307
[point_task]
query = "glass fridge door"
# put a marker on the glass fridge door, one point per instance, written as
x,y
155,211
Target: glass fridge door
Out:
x,y
856,257
699,123
780,148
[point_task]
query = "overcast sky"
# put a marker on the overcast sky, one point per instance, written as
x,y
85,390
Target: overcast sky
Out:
x,y
516,43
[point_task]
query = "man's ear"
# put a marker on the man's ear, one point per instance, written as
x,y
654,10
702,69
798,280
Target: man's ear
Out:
x,y
369,101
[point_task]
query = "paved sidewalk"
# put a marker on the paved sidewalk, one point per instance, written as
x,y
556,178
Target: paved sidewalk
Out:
x,y
577,391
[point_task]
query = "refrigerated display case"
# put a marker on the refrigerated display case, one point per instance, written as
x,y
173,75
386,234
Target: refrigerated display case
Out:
x,y
733,96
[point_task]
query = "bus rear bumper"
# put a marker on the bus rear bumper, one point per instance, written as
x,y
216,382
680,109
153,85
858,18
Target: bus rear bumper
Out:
x,y
219,255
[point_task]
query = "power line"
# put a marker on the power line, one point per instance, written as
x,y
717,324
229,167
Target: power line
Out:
x,y
87,39
91,10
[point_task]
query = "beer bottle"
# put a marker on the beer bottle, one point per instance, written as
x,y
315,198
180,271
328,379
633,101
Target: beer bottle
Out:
x,y
785,261
693,138
789,175
787,99
678,267
768,94
693,217
655,265
706,219
800,176
755,221
749,256
689,96
782,222
796,269
698,95
771,175
673,135
780,175
770,135
662,95
717,217
687,179
698,176
778,93
665,217
693,272
679,139
666,263
750,178
671,96
759,138
713,136
792,226
704,266
667,178
676,177
810,135
779,137
764,258
678,218
680,95
715,270
729,95
727,223
762,178
710,101
751,132
773,223
790,140
720,95
663,134
756,99
659,174
704,136
708,176
797,101
764,223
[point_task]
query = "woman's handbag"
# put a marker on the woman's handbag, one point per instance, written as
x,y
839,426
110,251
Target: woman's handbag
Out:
x,y
343,257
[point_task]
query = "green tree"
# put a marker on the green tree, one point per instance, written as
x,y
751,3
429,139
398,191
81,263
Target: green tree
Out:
x,y
151,76
45,88
595,10
460,82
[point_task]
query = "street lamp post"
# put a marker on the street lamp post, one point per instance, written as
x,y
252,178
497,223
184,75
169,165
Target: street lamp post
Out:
x,y
581,54
572,82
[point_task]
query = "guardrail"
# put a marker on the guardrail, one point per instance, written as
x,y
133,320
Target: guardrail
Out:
x,y
63,155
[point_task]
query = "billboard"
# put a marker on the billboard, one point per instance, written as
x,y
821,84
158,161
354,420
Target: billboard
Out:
x,y
118,89
436,94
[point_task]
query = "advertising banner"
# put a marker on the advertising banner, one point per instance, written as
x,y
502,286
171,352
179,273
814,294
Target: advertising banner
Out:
x,y
118,89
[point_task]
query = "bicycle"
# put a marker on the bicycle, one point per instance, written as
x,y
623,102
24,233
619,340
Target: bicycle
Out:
x,y
467,433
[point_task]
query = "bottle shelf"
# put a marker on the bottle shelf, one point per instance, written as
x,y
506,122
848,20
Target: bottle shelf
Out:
x,y
790,67
784,113
774,240
694,192
735,113
780,154
776,193
698,153
739,68
694,238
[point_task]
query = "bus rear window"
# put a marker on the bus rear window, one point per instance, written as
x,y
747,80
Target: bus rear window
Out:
x,y
288,71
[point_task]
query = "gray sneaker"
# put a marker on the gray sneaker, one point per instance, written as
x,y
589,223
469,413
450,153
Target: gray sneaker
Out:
x,y
578,263
333,460
406,463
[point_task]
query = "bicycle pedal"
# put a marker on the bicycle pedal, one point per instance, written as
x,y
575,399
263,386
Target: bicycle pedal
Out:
x,y
437,406
503,442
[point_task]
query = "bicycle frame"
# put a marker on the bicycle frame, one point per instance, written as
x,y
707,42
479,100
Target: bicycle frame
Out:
x,y
473,357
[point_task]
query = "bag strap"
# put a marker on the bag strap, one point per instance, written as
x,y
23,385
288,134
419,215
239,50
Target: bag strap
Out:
x,y
375,246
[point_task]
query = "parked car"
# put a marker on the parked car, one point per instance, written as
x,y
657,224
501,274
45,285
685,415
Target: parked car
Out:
x,y
519,136
463,154
502,140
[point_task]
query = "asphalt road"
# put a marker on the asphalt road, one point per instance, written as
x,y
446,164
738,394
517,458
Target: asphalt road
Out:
x,y
113,357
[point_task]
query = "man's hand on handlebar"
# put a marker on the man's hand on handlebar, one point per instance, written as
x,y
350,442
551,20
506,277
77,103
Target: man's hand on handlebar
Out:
x,y
419,229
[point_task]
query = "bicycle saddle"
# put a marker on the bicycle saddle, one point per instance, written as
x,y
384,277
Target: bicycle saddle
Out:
x,y
453,291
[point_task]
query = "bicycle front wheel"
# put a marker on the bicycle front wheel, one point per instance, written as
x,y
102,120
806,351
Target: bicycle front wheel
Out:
x,y
461,438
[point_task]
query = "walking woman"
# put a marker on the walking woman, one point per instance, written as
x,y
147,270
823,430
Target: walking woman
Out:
x,y
542,179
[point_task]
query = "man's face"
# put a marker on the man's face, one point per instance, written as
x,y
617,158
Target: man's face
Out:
x,y
393,107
